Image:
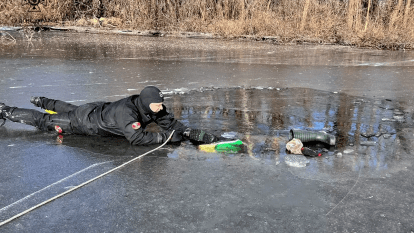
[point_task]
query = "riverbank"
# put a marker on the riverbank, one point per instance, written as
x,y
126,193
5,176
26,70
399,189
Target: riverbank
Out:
x,y
359,23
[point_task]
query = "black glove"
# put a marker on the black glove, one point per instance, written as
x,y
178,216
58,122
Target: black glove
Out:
x,y
201,136
177,136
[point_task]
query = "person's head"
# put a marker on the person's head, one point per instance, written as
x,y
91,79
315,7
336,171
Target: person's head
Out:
x,y
151,99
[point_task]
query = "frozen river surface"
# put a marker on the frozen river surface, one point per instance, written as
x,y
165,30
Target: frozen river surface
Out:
x,y
258,91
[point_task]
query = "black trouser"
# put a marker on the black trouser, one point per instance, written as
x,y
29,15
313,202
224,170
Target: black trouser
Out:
x,y
44,121
57,105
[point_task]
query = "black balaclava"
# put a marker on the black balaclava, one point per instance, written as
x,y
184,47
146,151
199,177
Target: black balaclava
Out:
x,y
150,95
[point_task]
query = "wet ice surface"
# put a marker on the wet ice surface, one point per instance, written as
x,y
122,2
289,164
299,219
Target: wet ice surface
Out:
x,y
118,65
254,91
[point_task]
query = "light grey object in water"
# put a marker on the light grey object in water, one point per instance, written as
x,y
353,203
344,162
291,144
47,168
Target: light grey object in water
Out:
x,y
229,135
368,143
294,160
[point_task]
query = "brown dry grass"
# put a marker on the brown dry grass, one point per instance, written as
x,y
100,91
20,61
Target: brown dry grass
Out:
x,y
385,24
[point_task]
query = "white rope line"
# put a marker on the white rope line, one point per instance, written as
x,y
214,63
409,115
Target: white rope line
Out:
x,y
51,185
359,174
83,184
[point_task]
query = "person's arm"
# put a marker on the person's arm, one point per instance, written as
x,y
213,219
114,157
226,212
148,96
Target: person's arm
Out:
x,y
167,121
141,137
137,136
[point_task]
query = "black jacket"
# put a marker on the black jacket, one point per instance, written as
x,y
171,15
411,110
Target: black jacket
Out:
x,y
116,118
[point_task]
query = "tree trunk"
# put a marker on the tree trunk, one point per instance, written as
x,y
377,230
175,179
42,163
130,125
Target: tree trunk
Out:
x,y
367,20
407,12
305,14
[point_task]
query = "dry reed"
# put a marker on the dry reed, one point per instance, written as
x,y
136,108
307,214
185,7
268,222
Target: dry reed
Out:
x,y
387,24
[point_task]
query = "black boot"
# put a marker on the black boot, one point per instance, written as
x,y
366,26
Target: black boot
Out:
x,y
37,101
2,114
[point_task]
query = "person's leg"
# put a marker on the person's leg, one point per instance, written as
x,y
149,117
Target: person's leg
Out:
x,y
51,104
43,121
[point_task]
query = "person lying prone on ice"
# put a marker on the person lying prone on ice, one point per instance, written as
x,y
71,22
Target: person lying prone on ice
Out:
x,y
126,117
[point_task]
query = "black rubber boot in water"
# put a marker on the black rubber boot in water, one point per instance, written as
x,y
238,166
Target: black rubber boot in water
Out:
x,y
311,136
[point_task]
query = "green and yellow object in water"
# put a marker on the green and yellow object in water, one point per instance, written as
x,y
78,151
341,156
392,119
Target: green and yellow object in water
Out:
x,y
232,147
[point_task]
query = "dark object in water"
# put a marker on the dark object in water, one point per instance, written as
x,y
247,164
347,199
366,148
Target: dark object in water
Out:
x,y
309,152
